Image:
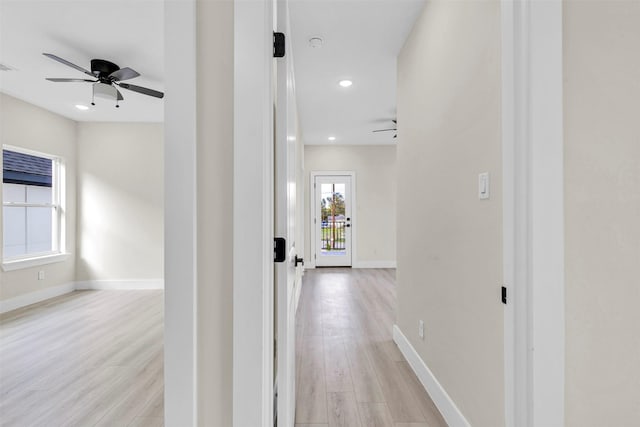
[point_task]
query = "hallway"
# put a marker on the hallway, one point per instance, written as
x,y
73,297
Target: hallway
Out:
x,y
349,370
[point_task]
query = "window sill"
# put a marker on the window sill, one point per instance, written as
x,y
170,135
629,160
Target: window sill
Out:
x,y
19,264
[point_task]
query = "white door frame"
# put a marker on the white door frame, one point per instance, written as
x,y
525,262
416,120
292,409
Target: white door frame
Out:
x,y
253,219
533,215
253,215
180,332
312,213
286,284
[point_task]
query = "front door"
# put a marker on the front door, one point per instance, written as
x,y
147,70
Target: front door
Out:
x,y
333,220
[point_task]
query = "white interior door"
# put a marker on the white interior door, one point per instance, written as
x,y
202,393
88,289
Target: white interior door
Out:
x,y
333,221
285,226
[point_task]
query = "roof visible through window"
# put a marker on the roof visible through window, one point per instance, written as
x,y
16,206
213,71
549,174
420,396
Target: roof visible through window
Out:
x,y
21,168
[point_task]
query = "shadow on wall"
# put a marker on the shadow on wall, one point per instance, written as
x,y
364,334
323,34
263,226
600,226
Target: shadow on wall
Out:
x,y
120,230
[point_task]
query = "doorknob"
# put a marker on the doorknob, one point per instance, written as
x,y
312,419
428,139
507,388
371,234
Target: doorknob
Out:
x,y
299,261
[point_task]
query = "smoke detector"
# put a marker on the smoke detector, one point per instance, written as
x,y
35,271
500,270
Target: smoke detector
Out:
x,y
316,42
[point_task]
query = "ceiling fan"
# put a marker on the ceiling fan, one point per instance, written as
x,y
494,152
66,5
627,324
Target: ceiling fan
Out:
x,y
105,77
395,129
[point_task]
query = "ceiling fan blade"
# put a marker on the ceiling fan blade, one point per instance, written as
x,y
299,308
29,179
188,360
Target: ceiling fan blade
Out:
x,y
384,130
125,73
142,90
69,80
67,63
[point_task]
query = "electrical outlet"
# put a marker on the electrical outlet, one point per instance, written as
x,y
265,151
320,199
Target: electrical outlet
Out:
x,y
421,328
41,275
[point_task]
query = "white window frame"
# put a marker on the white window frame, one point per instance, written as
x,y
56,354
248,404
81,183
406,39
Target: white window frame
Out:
x,y
58,222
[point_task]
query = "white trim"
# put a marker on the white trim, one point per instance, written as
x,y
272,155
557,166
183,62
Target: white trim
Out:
x,y
20,264
374,264
129,285
450,412
312,213
253,222
35,297
24,300
298,293
516,338
546,211
533,179
58,196
180,225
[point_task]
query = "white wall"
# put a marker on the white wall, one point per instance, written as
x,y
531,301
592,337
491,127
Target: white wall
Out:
x,y
375,213
120,201
27,126
602,205
215,212
449,241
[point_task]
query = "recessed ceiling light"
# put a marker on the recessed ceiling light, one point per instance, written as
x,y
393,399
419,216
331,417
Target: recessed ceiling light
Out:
x,y
345,83
316,42
82,107
332,138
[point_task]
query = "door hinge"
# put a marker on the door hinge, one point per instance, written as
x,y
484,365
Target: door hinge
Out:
x,y
279,249
278,45
504,294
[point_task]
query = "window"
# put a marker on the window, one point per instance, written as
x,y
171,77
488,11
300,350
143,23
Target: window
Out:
x,y
32,212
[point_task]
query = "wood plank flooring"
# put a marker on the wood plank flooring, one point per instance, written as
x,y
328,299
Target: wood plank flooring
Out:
x,y
89,358
350,373
95,358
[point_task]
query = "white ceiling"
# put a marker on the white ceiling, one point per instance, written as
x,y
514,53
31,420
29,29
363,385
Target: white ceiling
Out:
x,y
362,39
127,32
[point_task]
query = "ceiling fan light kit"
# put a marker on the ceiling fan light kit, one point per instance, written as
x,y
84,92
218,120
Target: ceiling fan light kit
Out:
x,y
106,76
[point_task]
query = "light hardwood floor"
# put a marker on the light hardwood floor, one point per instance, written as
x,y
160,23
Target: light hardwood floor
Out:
x,y
95,358
350,373
89,358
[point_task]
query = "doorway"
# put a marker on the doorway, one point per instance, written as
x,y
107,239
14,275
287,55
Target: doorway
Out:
x,y
332,218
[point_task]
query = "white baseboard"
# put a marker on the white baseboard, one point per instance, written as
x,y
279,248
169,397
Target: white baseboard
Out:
x,y
374,264
298,293
34,297
54,291
128,285
442,400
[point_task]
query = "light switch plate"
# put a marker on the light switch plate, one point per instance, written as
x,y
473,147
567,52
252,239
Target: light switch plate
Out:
x,y
483,185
